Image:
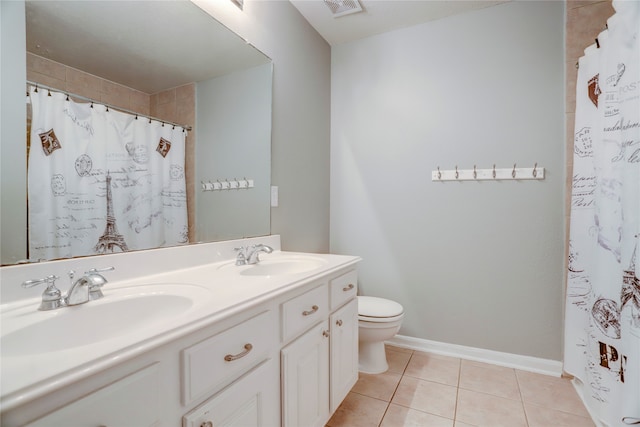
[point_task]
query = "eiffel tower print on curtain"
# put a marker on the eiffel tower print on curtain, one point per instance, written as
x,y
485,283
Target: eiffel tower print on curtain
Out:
x,y
110,239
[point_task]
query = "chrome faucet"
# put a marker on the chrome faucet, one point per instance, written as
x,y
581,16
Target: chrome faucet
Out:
x,y
254,252
85,289
248,255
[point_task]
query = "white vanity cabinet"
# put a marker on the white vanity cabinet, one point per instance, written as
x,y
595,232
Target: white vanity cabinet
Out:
x,y
344,352
111,405
320,366
251,401
284,358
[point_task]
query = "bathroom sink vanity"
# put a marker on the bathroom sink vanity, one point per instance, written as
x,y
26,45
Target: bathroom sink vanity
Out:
x,y
275,347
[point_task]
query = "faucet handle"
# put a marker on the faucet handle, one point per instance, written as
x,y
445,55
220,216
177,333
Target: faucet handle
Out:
x,y
100,270
97,281
241,258
49,280
51,297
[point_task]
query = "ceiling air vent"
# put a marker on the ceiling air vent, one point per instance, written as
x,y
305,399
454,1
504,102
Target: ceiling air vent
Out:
x,y
343,7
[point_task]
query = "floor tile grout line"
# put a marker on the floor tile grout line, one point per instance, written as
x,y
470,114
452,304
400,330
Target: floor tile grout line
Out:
x,y
455,408
524,409
396,389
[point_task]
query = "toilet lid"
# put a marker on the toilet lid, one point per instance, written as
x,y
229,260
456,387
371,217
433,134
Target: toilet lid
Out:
x,y
378,307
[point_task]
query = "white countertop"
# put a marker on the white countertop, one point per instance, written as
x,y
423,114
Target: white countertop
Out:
x,y
219,293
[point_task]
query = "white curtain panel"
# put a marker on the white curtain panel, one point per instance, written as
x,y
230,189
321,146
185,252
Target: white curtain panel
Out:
x,y
102,181
602,321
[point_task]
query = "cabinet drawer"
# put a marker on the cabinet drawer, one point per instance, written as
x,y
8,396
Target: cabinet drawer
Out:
x,y
301,312
251,401
219,360
130,401
343,288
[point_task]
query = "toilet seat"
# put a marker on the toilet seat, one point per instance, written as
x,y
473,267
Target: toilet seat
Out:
x,y
374,309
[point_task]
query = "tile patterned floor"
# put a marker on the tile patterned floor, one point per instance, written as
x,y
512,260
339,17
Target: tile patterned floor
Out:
x,y
427,390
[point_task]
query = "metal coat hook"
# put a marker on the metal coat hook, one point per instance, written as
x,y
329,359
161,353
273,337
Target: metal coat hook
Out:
x,y
513,172
457,174
439,173
494,171
475,172
535,170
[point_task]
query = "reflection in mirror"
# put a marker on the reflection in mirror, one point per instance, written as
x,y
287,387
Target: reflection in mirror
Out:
x,y
175,63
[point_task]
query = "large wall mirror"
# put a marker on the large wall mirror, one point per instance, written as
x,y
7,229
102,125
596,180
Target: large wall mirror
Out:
x,y
172,61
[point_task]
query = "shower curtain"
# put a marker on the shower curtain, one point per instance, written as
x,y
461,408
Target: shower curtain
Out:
x,y
102,181
602,313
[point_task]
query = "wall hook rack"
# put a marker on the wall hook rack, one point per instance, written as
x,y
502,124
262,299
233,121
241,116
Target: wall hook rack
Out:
x,y
226,184
493,174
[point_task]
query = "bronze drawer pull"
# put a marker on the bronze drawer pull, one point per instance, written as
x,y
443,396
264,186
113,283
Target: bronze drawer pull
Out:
x,y
348,288
313,310
232,357
339,322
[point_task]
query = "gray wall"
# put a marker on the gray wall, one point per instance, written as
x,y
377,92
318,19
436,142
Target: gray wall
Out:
x,y
233,126
301,115
478,264
13,155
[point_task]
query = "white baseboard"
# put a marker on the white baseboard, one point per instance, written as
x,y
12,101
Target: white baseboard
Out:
x,y
524,363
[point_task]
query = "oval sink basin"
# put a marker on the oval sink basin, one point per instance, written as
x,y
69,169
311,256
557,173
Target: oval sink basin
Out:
x,y
277,266
121,311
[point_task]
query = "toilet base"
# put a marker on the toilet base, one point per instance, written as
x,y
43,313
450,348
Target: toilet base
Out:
x,y
372,358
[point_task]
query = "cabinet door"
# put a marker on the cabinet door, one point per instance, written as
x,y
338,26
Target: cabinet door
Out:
x,y
130,401
251,401
344,352
305,379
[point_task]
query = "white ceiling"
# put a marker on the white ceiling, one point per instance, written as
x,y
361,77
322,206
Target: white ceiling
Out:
x,y
380,16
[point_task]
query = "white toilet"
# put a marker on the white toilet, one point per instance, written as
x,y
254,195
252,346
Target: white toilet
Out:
x,y
379,319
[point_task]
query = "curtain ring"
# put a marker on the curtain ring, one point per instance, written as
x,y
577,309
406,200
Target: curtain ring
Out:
x,y
439,173
107,108
535,171
49,94
91,104
494,171
457,172
67,97
36,89
513,172
475,173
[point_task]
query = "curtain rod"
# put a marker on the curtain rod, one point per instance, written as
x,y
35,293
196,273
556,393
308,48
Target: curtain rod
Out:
x,y
109,106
